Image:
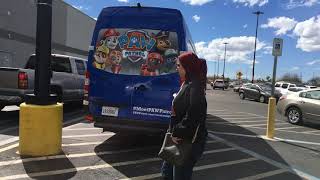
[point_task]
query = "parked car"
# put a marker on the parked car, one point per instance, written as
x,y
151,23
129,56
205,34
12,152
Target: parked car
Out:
x,y
284,86
301,106
220,84
67,80
259,92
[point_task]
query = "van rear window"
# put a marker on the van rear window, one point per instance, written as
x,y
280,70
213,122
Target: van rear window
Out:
x,y
136,52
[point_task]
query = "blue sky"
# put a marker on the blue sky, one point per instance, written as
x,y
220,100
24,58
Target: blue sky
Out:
x,y
213,22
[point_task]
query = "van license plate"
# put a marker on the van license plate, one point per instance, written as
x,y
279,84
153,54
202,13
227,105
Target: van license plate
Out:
x,y
109,111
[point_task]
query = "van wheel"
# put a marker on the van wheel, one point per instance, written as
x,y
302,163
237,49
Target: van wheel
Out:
x,y
262,99
242,96
294,115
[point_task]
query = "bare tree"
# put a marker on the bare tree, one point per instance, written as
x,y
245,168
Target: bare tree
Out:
x,y
315,81
291,78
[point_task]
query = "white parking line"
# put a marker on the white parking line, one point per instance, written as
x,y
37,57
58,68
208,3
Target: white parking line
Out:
x,y
9,129
232,115
77,169
242,118
89,135
9,147
315,131
5,122
291,127
264,175
82,129
11,162
266,159
197,168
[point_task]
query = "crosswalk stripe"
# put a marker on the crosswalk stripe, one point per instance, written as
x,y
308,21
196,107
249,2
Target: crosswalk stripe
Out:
x,y
197,168
264,175
77,169
11,162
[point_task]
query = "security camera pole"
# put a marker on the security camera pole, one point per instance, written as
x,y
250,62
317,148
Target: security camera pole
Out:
x,y
276,51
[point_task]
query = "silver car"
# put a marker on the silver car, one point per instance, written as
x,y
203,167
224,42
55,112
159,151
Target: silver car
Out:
x,y
301,106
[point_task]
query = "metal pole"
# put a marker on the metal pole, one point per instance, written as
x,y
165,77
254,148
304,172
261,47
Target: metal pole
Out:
x,y
224,60
218,66
255,44
43,56
274,75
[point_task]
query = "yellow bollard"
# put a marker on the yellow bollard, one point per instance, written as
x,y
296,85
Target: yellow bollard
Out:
x,y
271,117
40,129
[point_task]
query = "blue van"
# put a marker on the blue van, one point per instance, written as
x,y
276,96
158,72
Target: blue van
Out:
x,y
132,76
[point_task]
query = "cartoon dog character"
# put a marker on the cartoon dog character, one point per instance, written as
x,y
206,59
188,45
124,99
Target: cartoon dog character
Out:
x,y
170,56
101,57
163,42
111,38
151,67
115,57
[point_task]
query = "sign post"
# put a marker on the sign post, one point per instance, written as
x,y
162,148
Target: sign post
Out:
x,y
276,51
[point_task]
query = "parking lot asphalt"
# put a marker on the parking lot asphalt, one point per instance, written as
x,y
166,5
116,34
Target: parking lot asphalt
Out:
x,y
234,150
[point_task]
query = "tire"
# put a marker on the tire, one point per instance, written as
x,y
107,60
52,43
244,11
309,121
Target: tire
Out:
x,y
294,115
262,99
241,95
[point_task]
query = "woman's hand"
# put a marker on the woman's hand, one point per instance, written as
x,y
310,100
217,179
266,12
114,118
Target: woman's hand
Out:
x,y
176,140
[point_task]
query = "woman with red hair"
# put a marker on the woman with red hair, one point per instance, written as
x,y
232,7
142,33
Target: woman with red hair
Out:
x,y
188,116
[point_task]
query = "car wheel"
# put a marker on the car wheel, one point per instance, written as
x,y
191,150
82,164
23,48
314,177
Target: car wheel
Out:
x,y
294,115
241,96
262,99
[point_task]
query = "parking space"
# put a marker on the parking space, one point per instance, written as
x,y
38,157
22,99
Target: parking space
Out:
x,y
90,154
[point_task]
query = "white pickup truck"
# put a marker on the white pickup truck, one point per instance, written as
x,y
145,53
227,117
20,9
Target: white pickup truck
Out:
x,y
67,80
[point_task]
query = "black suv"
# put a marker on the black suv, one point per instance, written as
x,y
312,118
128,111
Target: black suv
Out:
x,y
259,92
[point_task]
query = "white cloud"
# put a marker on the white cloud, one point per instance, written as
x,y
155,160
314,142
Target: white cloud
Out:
x,y
251,3
95,18
308,33
295,68
245,26
282,24
240,49
81,7
196,2
124,1
300,3
267,50
313,62
196,18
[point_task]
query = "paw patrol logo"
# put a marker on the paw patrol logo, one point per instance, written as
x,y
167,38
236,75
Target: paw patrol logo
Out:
x,y
135,45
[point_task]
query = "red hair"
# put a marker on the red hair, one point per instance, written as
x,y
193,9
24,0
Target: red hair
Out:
x,y
190,62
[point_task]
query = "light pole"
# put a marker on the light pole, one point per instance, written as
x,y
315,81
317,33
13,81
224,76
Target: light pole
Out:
x,y
215,70
224,60
218,66
255,43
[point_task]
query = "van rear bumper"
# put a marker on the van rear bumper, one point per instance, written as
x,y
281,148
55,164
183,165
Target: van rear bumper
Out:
x,y
116,125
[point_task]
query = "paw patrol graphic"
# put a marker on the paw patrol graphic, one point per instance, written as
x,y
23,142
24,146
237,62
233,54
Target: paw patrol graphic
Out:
x,y
151,68
170,56
115,57
163,42
101,57
111,38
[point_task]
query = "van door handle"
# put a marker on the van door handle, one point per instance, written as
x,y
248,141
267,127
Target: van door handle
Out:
x,y
140,87
302,102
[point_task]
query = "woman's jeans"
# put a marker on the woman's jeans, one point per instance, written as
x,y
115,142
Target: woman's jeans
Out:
x,y
184,172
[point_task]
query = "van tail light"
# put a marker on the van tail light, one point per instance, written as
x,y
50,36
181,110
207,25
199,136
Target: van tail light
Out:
x,y
282,98
88,117
23,80
86,89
